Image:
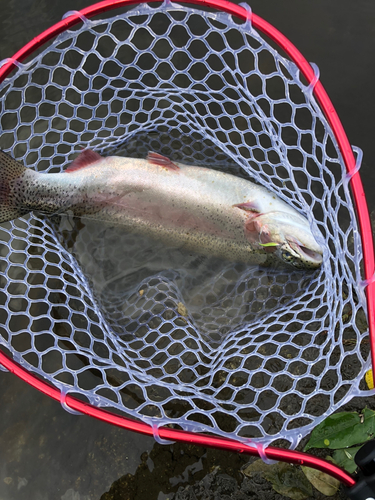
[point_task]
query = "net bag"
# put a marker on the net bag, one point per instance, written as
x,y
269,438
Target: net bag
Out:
x,y
150,332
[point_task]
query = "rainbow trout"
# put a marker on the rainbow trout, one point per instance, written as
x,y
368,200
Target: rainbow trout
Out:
x,y
196,208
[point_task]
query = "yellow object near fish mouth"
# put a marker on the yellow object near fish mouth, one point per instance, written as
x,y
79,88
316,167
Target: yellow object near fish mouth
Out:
x,y
268,244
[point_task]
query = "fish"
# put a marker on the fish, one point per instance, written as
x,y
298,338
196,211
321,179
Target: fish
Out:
x,y
199,209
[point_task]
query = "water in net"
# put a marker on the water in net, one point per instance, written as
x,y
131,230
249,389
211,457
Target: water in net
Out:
x,y
154,332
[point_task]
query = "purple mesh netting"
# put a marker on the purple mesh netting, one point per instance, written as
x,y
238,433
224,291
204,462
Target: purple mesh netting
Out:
x,y
153,332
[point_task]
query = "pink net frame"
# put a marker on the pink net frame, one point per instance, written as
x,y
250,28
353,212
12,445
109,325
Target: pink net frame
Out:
x,y
358,194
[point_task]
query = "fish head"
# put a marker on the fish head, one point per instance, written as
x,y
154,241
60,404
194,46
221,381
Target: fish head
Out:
x,y
289,237
299,254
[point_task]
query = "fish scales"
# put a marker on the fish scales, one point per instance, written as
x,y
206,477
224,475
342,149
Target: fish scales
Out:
x,y
196,208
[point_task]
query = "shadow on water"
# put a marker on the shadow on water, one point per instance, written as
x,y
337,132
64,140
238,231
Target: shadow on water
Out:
x,y
141,283
171,471
47,453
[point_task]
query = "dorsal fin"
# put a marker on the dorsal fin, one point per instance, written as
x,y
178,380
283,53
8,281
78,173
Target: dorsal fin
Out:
x,y
87,157
162,161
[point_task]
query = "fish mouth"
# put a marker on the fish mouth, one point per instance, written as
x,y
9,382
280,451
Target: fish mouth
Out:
x,y
305,254
315,256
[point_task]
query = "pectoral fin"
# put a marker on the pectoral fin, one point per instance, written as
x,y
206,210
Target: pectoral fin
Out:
x,y
252,229
162,161
258,233
265,240
249,206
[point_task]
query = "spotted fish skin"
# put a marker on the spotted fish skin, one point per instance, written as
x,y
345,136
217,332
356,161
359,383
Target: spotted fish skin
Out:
x,y
196,208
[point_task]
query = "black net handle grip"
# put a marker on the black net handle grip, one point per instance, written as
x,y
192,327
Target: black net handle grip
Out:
x,y
364,489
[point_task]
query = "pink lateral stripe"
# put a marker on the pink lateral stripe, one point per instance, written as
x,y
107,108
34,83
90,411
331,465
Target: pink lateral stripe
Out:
x,y
358,193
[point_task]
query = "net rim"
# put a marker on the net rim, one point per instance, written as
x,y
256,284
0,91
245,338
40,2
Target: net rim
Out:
x,y
307,70
359,197
164,433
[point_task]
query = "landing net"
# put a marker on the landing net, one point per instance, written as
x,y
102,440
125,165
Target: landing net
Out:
x,y
151,332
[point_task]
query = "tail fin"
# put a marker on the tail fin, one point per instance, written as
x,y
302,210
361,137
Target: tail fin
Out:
x,y
10,195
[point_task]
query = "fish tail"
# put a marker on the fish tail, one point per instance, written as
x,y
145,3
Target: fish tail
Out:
x,y
11,192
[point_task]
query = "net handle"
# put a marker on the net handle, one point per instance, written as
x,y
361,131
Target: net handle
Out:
x,y
167,434
359,197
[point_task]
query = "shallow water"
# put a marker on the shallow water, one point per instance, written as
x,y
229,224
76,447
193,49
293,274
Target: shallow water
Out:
x,y
45,451
132,276
48,453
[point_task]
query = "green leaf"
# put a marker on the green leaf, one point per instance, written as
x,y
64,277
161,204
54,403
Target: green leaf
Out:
x,y
285,479
345,458
342,430
324,483
256,467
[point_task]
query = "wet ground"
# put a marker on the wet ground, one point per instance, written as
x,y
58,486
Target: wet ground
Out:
x,y
184,472
47,453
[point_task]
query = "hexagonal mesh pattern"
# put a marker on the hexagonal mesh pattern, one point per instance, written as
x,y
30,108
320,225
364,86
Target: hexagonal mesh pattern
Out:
x,y
153,332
